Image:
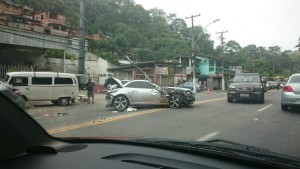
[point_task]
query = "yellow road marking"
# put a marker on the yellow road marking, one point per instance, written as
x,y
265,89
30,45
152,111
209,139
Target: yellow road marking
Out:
x,y
212,100
92,123
115,118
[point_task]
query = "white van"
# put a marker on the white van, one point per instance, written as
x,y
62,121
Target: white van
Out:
x,y
59,88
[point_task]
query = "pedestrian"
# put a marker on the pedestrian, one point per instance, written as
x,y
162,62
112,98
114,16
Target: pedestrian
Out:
x,y
277,84
90,90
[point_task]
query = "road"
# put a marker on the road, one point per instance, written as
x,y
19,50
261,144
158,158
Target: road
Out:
x,y
212,117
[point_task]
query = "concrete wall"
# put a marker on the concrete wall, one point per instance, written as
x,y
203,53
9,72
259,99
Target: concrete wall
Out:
x,y
94,66
15,56
93,62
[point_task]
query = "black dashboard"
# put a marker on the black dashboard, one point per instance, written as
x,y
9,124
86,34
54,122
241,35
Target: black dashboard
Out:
x,y
110,155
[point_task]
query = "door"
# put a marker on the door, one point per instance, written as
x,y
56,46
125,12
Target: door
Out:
x,y
41,88
20,83
142,92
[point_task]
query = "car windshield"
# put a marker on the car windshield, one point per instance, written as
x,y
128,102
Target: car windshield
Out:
x,y
246,78
194,70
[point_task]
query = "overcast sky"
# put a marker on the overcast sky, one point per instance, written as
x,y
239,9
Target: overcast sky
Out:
x,y
261,22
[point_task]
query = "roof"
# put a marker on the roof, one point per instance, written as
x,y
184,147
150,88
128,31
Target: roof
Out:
x,y
40,74
9,2
148,63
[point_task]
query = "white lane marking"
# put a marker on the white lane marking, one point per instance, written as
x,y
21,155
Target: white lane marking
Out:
x,y
264,108
208,136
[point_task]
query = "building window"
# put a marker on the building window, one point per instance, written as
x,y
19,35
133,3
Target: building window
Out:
x,y
42,17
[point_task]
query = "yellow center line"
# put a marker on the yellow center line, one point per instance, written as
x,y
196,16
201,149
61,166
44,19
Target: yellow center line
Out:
x,y
116,118
93,123
212,100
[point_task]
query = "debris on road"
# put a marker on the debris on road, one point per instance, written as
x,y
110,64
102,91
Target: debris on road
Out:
x,y
61,114
256,119
130,109
46,115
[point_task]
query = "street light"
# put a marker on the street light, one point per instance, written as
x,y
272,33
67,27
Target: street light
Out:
x,y
193,53
204,31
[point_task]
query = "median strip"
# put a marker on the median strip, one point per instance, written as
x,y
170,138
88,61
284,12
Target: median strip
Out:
x,y
115,118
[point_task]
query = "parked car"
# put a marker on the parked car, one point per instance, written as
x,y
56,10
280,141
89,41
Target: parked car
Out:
x,y
271,85
290,95
143,93
189,85
59,88
246,86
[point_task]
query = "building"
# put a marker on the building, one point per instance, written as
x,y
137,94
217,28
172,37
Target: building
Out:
x,y
207,72
15,16
54,23
10,8
161,73
95,37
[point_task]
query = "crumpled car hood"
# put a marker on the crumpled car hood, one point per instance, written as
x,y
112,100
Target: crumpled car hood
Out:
x,y
179,88
113,81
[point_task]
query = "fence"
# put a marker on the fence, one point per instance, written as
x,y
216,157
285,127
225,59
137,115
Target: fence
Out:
x,y
13,68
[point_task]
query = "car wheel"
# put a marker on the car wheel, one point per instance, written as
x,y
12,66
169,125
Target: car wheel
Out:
x,y
175,101
284,107
120,103
63,101
230,100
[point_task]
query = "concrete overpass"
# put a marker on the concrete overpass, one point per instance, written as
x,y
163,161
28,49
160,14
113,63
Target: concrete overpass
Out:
x,y
18,37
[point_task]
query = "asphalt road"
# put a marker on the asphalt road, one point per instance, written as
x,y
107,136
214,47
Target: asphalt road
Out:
x,y
212,117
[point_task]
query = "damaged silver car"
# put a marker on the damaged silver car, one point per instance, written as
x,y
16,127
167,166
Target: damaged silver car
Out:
x,y
142,93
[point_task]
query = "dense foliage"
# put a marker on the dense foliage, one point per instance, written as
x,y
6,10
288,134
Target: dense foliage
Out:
x,y
145,35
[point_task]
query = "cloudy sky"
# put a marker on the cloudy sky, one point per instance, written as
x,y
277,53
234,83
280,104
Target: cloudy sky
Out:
x,y
261,22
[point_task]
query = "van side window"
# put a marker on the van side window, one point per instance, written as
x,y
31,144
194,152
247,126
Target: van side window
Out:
x,y
42,80
59,80
19,81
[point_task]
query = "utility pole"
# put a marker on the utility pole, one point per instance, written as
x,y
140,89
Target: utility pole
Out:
x,y
253,59
222,56
81,39
193,53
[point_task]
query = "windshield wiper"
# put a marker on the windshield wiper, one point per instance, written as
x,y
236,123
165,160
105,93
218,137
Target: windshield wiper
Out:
x,y
229,148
